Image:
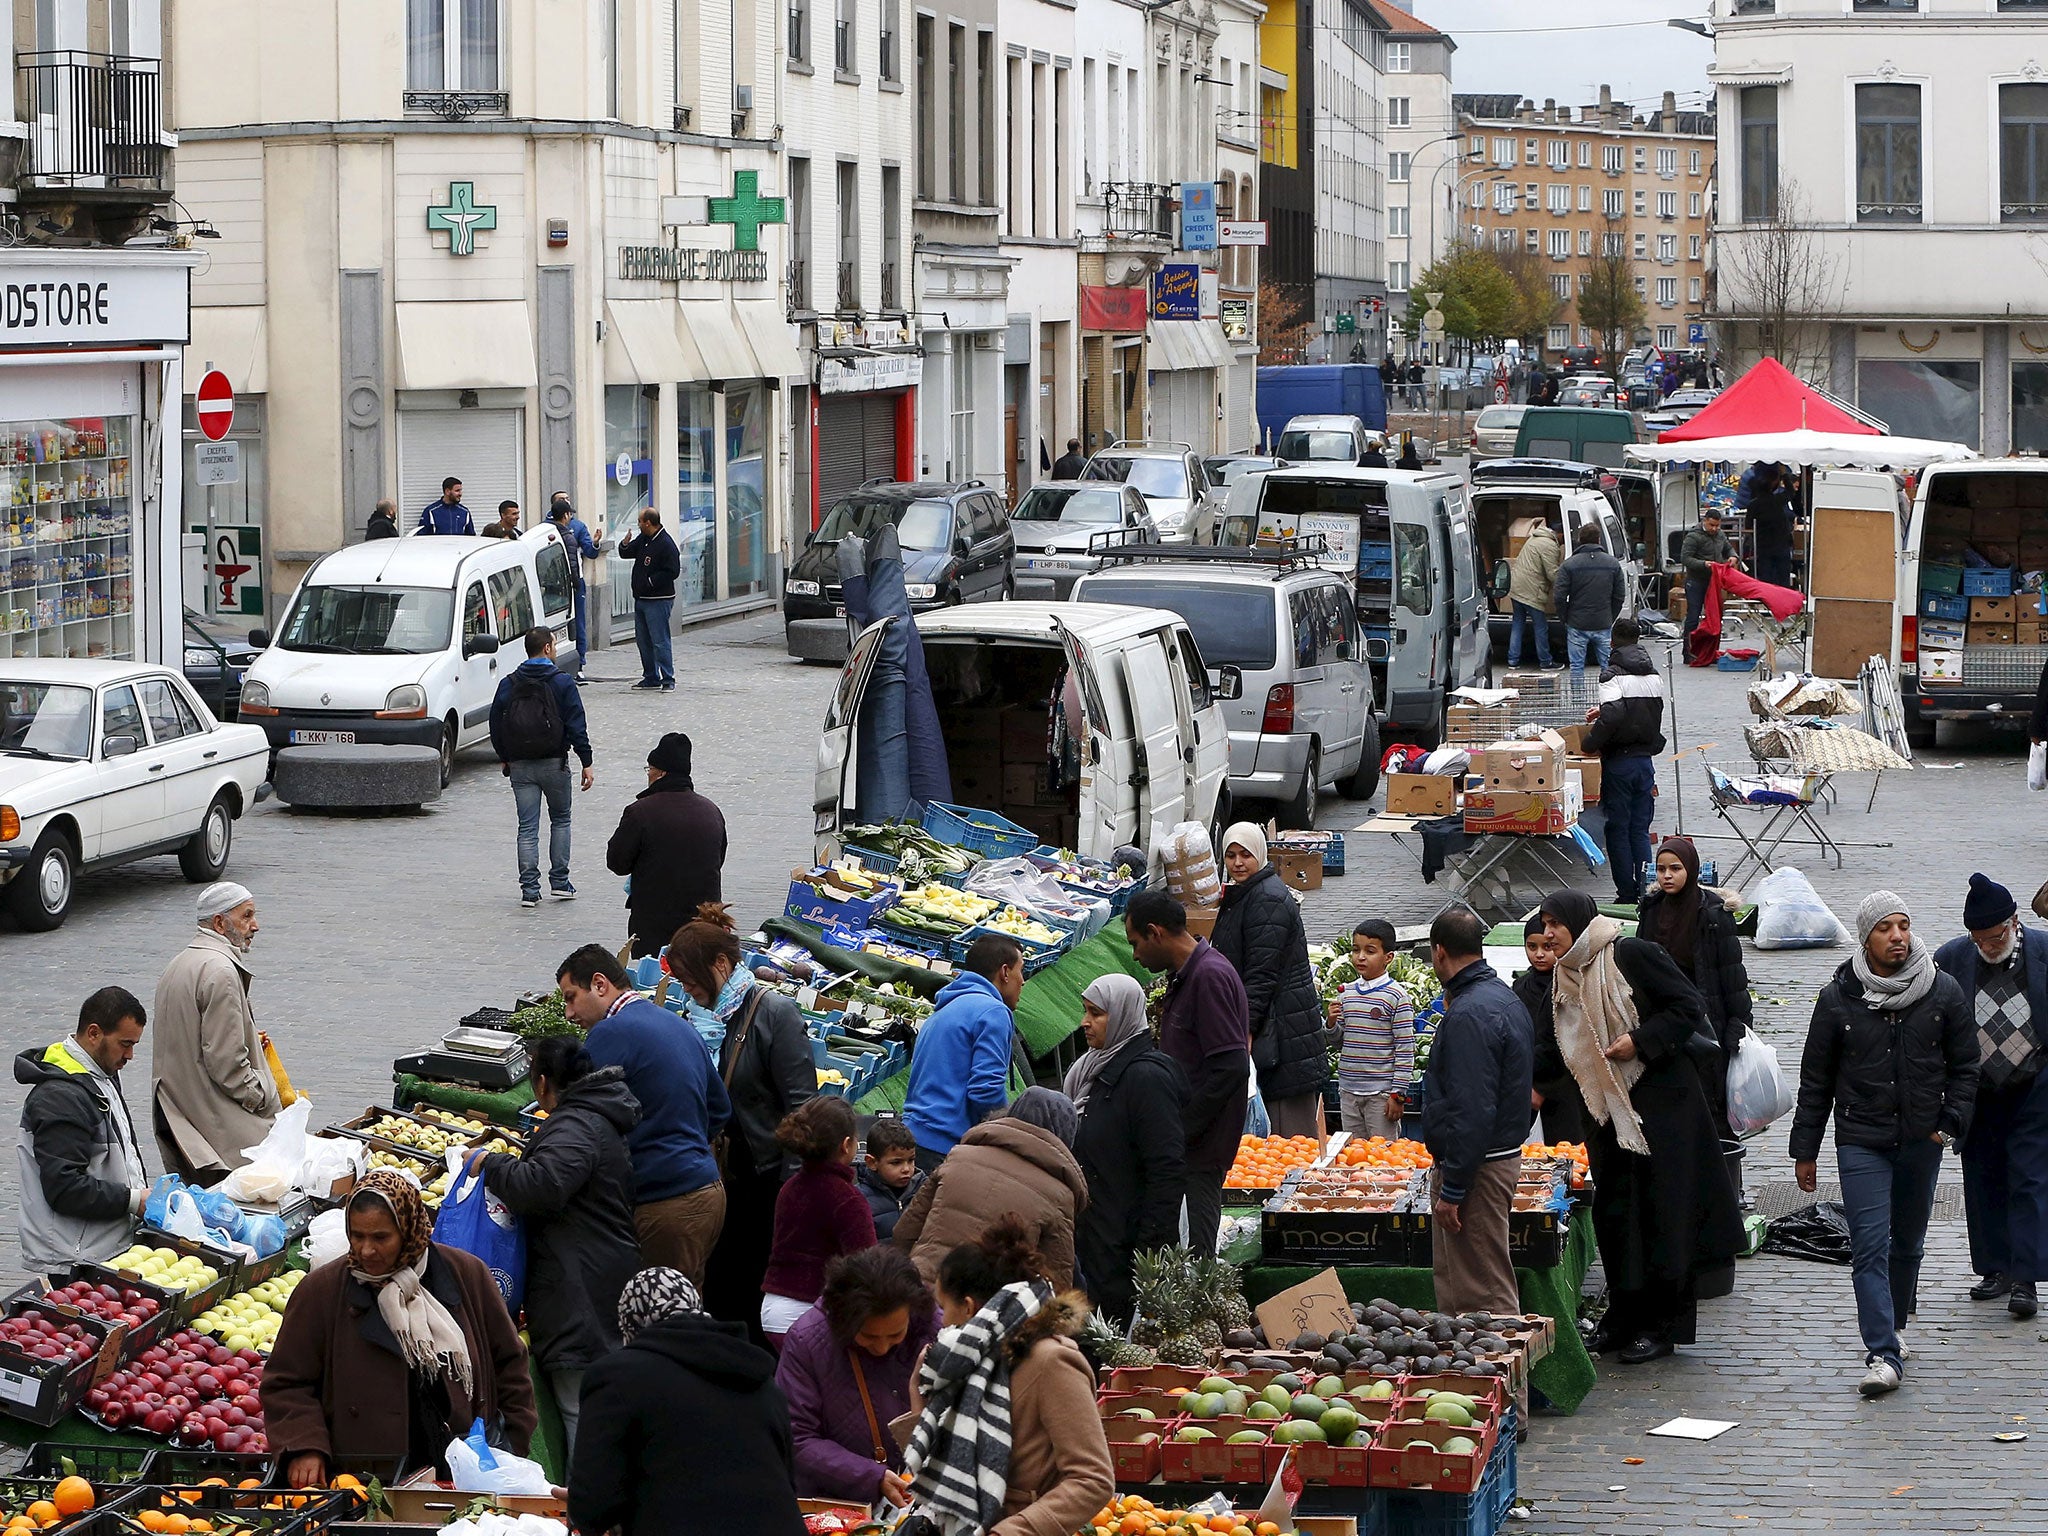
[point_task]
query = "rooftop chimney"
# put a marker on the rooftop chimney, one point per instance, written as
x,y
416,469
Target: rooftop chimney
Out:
x,y
1671,111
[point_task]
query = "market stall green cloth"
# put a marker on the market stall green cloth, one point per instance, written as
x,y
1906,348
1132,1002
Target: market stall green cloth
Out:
x,y
501,1107
1564,1376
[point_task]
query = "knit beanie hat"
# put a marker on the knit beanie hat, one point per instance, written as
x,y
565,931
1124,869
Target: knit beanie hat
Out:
x,y
1988,904
1877,906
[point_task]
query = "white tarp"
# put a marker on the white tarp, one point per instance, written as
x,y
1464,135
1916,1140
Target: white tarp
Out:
x,y
1802,449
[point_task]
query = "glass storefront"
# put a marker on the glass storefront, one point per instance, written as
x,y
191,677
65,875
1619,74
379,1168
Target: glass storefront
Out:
x,y
628,436
1923,399
697,493
67,561
747,416
2030,407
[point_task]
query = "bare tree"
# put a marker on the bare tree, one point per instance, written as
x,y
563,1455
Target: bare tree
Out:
x,y
1609,304
1780,284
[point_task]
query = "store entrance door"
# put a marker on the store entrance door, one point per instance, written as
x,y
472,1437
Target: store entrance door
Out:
x,y
485,449
856,443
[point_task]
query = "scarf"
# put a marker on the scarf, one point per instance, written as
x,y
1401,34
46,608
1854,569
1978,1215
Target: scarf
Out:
x,y
1678,922
958,1460
734,993
1905,986
429,1339
1248,837
1591,1008
1123,999
655,1296
1049,1111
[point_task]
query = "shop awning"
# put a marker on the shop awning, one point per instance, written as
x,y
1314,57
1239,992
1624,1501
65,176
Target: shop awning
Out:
x,y
712,325
644,345
233,338
1804,449
465,344
772,337
1750,74
1179,344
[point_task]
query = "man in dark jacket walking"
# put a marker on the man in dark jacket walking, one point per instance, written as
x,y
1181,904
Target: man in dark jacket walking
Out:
x,y
1591,592
1892,1051
1626,732
2002,967
448,515
383,523
1699,552
1068,466
536,718
1475,1108
1205,1027
1766,497
657,565
671,844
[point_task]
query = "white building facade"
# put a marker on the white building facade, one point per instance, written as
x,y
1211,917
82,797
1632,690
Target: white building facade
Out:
x,y
1422,146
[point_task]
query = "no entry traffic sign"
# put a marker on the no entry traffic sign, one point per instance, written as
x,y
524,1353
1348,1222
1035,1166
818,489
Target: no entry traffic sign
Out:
x,y
215,405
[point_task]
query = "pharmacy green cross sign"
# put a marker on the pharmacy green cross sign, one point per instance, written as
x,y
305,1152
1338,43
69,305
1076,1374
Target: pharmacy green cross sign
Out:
x,y
462,218
746,210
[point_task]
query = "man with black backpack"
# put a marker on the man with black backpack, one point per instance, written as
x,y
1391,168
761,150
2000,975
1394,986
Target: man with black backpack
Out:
x,y
535,719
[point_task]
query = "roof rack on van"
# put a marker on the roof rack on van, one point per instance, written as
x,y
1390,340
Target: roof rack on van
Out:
x,y
1145,442
1113,546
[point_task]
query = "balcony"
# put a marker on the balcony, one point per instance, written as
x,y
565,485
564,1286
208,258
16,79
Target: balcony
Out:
x,y
458,106
2023,213
800,287
1888,213
889,299
95,125
1137,210
849,288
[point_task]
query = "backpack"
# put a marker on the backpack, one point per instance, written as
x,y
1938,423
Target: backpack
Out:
x,y
531,726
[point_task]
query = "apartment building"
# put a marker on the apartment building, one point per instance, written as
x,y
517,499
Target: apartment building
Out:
x,y
1423,142
1600,183
1890,159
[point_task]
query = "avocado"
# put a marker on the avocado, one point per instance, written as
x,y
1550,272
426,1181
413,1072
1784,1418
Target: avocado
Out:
x,y
1278,1396
1289,1380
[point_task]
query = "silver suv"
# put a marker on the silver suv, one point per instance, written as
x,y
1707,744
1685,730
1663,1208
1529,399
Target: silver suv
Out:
x,y
1173,482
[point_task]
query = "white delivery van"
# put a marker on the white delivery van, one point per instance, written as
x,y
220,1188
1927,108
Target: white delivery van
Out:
x,y
1149,745
1507,494
405,640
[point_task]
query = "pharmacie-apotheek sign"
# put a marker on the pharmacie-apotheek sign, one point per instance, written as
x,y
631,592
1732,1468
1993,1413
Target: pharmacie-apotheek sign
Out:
x,y
746,211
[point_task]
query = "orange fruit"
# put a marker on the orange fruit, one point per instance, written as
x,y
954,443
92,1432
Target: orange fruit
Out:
x,y
72,1496
151,1519
42,1512
177,1525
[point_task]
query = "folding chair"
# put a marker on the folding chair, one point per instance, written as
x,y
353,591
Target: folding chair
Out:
x,y
1782,802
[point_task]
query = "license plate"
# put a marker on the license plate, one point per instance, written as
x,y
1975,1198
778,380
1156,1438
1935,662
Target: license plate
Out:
x,y
323,738
839,610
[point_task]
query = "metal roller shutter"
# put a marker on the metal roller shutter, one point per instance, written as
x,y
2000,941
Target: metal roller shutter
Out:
x,y
856,442
486,449
1239,431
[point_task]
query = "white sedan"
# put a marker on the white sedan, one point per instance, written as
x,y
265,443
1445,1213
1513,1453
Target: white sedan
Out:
x,y
105,762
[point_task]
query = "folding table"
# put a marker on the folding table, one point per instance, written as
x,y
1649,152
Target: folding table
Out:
x,y
1782,802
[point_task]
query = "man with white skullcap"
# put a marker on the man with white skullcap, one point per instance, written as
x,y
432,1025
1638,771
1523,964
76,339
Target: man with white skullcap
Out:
x,y
215,1093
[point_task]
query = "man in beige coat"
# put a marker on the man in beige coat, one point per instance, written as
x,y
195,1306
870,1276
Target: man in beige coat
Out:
x,y
1531,579
215,1095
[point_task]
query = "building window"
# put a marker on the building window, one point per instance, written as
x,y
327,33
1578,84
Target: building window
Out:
x,y
2030,407
1397,276
892,236
1692,164
956,112
1559,197
1397,112
1535,240
1613,203
1642,246
985,112
1923,399
1667,291
1397,220
1667,205
1560,244
1692,246
1503,197
1758,105
1642,205
1585,154
1611,159
2022,152
1585,242
1887,153
453,45
1667,337
887,64
849,236
1667,163
842,38
927,116
1503,151
799,31
1529,152
1532,196
1397,166
1643,286
1692,290
1585,199
1560,337
1642,158
1356,33
1397,58
1611,243
1504,239
799,233
1693,205
1560,155
1561,284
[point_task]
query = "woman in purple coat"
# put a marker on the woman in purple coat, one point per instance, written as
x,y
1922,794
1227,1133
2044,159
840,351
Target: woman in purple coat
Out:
x,y
846,1368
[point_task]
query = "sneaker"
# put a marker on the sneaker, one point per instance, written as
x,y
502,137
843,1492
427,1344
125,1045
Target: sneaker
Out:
x,y
668,687
529,901
1905,1350
563,893
1880,1377
644,686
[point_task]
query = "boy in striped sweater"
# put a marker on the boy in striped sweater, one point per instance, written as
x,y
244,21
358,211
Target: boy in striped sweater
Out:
x,y
1377,1017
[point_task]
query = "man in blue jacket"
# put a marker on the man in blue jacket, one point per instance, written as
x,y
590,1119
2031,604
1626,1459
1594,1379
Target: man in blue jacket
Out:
x,y
448,515
1475,1108
679,1200
960,1072
581,547
536,718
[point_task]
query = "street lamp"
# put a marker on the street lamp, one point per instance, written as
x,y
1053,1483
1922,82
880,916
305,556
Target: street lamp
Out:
x,y
1430,253
1698,27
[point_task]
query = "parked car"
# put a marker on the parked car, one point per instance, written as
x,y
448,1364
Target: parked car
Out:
x,y
1590,392
397,641
1677,408
1577,434
1326,439
1227,469
957,548
1493,434
1305,716
1171,478
214,667
104,763
1056,520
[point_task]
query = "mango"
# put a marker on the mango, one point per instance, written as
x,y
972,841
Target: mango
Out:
x,y
1338,1423
1443,1411
1137,1413
1460,1445
1307,1406
1212,1384
1280,1397
1327,1387
1246,1437
1263,1410
1191,1433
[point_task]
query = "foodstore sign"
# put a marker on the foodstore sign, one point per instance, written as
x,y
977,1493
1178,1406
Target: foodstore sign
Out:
x,y
43,303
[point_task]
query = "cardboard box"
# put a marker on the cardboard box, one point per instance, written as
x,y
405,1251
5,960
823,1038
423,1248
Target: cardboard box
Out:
x,y
1532,764
1993,610
1300,869
1993,634
1588,770
1937,634
1030,784
1574,738
1421,794
1540,685
1941,666
1202,921
1528,811
1023,734
1472,724
2028,632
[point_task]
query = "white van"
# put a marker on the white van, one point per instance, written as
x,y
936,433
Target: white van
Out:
x,y
1150,742
1507,493
398,640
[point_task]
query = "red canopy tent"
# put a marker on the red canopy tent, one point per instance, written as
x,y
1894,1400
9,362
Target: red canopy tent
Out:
x,y
1768,399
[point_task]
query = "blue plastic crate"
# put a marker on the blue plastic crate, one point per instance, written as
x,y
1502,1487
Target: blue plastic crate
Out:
x,y
887,864
986,833
1736,664
1987,581
1418,1512
1037,956
1934,605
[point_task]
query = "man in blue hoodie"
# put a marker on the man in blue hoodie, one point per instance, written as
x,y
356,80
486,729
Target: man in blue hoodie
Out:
x,y
448,515
536,718
960,1072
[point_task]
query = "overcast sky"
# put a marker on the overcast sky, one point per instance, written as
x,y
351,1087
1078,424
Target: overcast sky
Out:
x,y
1570,48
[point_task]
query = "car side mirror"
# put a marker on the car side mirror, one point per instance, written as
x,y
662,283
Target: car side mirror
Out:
x,y
479,645
961,546
1229,683
123,745
259,638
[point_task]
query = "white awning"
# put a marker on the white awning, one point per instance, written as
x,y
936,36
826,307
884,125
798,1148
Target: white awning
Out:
x,y
711,324
465,344
772,337
1804,448
643,345
1750,74
1184,344
233,338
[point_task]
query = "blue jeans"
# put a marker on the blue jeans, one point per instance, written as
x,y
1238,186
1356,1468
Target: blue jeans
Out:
x,y
532,780
650,633
1887,1197
1535,619
579,626
1582,645
1628,788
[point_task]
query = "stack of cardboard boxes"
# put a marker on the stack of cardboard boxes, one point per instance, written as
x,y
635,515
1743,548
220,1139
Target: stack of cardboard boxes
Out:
x,y
1000,761
1982,554
1521,784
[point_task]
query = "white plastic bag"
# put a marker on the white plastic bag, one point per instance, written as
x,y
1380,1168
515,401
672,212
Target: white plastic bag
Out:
x,y
476,1467
326,1238
1191,873
2037,765
272,1169
329,1159
1758,1090
1791,915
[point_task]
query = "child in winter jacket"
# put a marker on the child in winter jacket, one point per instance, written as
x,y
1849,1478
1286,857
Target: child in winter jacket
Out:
x,y
819,1213
889,1175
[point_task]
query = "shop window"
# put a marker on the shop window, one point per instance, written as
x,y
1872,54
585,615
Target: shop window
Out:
x,y
697,493
746,441
67,558
2030,407
1922,399
511,604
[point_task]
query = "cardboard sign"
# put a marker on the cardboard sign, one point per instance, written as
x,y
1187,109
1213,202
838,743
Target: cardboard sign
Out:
x,y
1317,1305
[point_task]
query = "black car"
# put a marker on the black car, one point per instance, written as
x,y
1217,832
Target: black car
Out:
x,y
957,548
215,667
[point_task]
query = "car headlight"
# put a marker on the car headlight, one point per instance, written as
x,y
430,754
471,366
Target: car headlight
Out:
x,y
800,588
408,701
920,591
197,658
256,699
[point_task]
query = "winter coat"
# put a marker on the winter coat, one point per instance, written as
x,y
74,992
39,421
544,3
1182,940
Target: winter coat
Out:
x,y
671,843
1889,1077
1699,550
1132,1152
568,704
438,516
960,1071
1532,577
1259,931
998,1167
1962,960
1631,719
1068,466
1717,969
573,1191
682,1101
382,525
819,1214
1564,1109
657,564
1475,1091
885,1204
1202,1027
1591,590
77,1162
684,1424
215,1094
835,1445
1060,1471
336,1383
775,1073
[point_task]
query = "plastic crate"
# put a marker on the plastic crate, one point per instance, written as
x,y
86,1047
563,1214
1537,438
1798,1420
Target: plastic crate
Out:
x,y
1987,581
244,1510
20,1491
97,1464
1037,955
1731,663
1935,605
984,832
228,1265
1413,1512
1941,579
45,1391
142,1335
887,864
169,1465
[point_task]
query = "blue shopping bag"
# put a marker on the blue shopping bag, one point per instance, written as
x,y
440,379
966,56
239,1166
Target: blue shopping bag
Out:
x,y
479,1223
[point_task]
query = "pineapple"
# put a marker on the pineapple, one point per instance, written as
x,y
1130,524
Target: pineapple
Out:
x,y
1182,1349
1148,1278
1180,1311
1110,1348
1223,1291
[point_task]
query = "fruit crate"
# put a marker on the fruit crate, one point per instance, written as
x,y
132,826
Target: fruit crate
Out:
x,y
1400,1460
429,1114
256,1271
1154,1378
1037,954
1481,1512
984,832
228,1265
142,1335
97,1464
246,1511
1216,1460
1323,1465
45,1391
886,864
26,1488
1161,1405
168,1464
1134,1446
360,1127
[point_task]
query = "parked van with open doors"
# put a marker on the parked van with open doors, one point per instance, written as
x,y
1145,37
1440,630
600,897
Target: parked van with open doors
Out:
x,y
1096,727
1509,496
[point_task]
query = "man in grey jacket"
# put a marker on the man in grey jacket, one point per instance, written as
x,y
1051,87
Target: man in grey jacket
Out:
x,y
1703,548
1592,591
1532,584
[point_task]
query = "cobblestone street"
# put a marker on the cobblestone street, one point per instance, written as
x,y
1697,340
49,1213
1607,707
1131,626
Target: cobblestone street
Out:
x,y
380,932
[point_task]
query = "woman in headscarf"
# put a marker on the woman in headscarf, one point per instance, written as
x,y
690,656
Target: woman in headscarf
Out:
x,y
1130,1143
1628,1027
1557,1098
1259,931
1020,1162
393,1349
1698,930
684,1428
